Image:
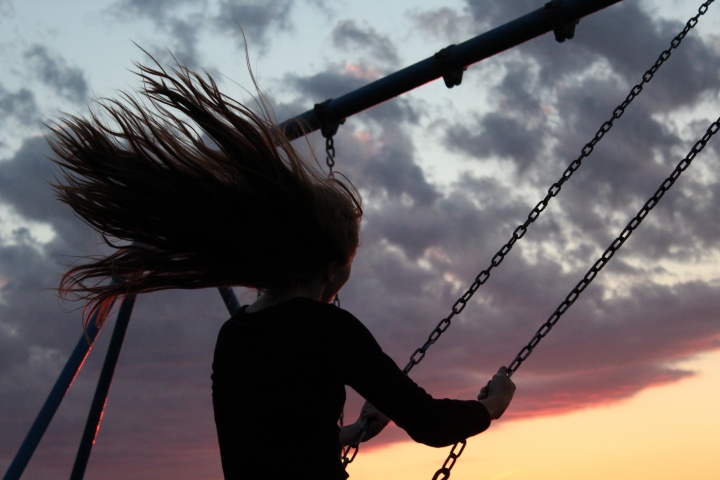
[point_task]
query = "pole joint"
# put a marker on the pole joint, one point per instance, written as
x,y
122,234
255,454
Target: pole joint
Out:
x,y
452,75
328,127
562,25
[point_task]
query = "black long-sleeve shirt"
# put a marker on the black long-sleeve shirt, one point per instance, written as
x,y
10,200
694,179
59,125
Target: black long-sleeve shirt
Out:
x,y
279,379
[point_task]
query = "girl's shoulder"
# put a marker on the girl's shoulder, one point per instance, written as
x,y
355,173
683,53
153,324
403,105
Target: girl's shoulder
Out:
x,y
299,311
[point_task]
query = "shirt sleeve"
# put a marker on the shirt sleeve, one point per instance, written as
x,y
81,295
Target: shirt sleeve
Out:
x,y
375,376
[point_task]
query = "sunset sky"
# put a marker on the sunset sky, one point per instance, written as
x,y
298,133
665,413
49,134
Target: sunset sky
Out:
x,y
626,384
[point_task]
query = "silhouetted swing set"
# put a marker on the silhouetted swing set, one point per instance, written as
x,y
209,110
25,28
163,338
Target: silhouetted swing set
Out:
x,y
558,16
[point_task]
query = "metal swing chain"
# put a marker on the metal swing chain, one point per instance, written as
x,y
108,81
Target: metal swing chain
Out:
x,y
553,191
330,161
349,452
329,134
457,449
330,155
614,247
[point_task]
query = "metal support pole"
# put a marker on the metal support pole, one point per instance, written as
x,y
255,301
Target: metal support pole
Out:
x,y
556,16
231,301
92,426
62,385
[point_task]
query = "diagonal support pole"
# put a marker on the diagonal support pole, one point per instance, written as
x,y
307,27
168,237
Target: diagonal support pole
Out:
x,y
92,426
231,301
57,393
64,382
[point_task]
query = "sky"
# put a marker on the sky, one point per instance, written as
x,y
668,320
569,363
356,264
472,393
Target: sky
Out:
x,y
623,386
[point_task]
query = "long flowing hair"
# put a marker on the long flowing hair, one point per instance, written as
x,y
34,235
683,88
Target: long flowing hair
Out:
x,y
192,189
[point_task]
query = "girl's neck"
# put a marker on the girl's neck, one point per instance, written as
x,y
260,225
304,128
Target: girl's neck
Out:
x,y
272,297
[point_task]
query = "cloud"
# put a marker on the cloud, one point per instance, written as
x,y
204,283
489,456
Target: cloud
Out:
x,y
25,186
159,10
497,134
352,38
7,9
19,105
256,19
546,105
181,23
491,13
385,166
632,39
332,82
68,81
628,39
445,23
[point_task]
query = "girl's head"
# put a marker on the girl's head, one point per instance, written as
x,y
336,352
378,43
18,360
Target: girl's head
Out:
x,y
192,189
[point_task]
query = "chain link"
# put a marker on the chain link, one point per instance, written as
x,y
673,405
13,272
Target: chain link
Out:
x,y
330,155
443,472
349,453
521,230
613,248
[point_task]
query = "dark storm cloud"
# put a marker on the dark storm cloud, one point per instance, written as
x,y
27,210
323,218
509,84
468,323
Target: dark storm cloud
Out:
x,y
351,37
30,268
158,9
386,166
19,105
515,129
542,76
627,170
541,116
24,181
37,331
52,70
25,185
324,85
496,134
630,41
499,13
456,222
256,19
181,21
185,33
445,23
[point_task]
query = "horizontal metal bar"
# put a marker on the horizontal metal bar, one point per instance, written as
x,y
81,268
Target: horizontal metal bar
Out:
x,y
527,27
